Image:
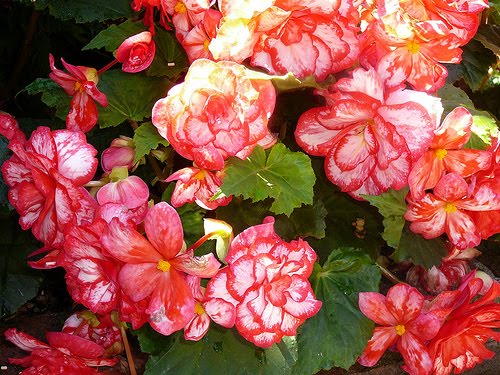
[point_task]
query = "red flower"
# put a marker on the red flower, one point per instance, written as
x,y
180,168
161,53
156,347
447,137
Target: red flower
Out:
x,y
459,344
369,134
137,52
444,154
197,185
65,354
401,323
445,210
218,112
266,285
80,83
198,38
157,267
45,176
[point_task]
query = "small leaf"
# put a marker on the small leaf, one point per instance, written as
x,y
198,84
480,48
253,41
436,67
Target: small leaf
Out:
x,y
483,129
130,96
392,206
146,138
52,95
221,351
170,58
151,341
416,249
113,36
285,176
338,334
83,11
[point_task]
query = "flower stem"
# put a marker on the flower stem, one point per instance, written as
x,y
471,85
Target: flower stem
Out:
x,y
202,240
106,67
389,274
286,353
130,359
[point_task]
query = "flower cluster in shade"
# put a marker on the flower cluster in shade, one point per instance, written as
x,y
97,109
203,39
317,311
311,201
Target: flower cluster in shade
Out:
x,y
441,336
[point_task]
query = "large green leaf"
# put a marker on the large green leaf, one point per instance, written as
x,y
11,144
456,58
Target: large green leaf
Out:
x,y
285,176
130,96
416,249
476,61
52,95
113,36
392,206
337,335
146,138
305,221
170,58
89,10
489,36
221,351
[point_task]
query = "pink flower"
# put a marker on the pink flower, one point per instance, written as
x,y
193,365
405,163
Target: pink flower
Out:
x,y
80,83
265,284
46,175
218,112
445,210
198,38
186,14
157,267
369,134
120,153
197,185
400,322
9,128
137,52
459,344
65,354
445,154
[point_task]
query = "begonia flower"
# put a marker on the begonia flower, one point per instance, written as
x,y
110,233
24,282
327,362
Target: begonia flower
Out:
x,y
156,267
445,154
65,354
449,274
199,37
445,210
120,153
137,52
470,323
217,112
197,185
400,322
369,134
9,128
97,328
81,84
265,284
186,14
46,175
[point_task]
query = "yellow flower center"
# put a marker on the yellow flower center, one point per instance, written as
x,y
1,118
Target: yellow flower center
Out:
x,y
441,153
180,7
413,46
78,87
163,265
198,309
205,44
201,175
450,208
400,329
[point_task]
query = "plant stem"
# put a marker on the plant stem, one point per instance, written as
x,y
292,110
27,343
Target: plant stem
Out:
x,y
286,353
389,274
202,240
130,359
106,67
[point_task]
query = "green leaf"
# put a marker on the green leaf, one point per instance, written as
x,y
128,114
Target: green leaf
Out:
x,y
221,351
113,36
483,129
305,221
192,222
242,213
151,341
489,36
52,95
146,138
416,249
170,58
392,206
337,335
130,96
90,10
476,61
285,176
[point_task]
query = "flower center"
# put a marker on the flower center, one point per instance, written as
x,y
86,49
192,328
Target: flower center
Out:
x,y
400,329
163,266
413,47
441,153
205,44
180,7
450,208
198,309
78,87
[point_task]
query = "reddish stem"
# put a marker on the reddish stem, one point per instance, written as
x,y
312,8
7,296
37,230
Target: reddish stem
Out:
x,y
106,67
130,359
201,241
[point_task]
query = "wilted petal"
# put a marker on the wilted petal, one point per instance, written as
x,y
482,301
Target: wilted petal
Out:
x,y
203,266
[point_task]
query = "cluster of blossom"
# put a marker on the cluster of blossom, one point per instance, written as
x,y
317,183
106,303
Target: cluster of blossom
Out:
x,y
441,335
111,266
87,341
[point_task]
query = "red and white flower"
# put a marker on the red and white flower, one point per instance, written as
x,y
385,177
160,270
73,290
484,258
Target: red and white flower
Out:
x,y
217,112
137,52
265,284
